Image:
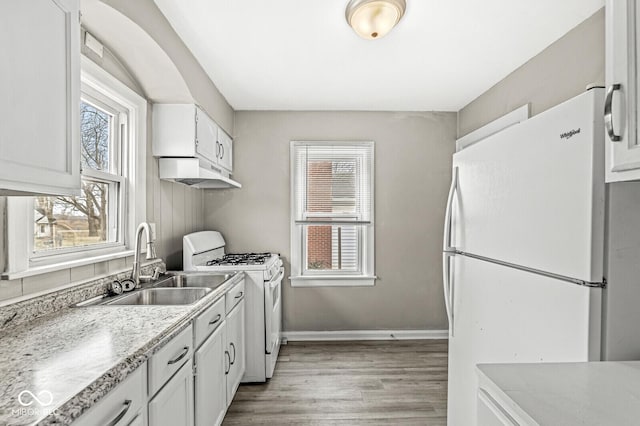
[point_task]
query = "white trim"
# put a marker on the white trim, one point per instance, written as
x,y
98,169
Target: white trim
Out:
x,y
96,77
514,117
333,281
366,273
315,336
65,265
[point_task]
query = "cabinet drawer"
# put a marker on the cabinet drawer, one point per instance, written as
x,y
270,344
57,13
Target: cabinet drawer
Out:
x,y
169,359
121,405
208,321
234,296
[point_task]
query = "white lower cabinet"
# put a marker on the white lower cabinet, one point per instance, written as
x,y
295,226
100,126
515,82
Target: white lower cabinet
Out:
x,y
210,380
235,349
220,362
173,405
184,387
121,405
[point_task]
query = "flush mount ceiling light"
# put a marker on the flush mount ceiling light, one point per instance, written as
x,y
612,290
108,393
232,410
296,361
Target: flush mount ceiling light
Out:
x,y
373,19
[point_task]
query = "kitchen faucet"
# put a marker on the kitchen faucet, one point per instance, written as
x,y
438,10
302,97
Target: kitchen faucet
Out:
x,y
151,254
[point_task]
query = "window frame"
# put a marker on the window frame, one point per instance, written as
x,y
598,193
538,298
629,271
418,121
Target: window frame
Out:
x,y
21,260
301,276
115,178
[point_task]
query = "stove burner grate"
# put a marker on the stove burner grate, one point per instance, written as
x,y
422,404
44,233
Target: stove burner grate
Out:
x,y
239,259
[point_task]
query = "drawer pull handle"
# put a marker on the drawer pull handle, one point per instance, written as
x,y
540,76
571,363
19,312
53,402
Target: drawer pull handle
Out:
x,y
121,414
239,295
608,113
184,353
226,371
215,321
234,353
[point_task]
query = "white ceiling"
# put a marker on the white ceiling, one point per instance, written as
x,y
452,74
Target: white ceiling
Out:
x,y
302,55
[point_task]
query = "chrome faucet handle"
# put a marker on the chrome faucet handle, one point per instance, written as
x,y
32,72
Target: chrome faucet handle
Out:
x,y
153,277
156,273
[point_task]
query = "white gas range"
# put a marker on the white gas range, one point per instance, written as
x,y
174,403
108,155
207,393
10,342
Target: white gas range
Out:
x,y
204,252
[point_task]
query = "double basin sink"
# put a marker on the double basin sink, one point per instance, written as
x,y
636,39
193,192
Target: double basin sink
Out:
x,y
172,289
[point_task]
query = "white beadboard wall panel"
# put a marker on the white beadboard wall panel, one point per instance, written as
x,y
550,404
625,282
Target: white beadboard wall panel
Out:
x,y
10,289
83,272
178,216
101,268
177,211
117,264
3,242
38,283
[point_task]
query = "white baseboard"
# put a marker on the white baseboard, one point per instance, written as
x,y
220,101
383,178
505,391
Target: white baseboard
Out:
x,y
310,336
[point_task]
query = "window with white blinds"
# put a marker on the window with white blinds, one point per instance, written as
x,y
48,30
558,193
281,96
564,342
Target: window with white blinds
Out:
x,y
332,200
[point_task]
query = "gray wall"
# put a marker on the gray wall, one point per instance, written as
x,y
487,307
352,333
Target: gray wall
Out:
x,y
560,72
146,14
412,173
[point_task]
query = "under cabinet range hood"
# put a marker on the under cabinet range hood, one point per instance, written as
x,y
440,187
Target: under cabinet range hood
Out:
x,y
195,173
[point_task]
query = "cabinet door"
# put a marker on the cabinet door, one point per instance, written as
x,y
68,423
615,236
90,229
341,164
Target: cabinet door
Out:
x,y
40,102
173,405
210,381
225,150
236,348
623,146
138,420
206,136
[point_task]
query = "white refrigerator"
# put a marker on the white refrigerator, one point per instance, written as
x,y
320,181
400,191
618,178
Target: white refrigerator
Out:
x,y
531,232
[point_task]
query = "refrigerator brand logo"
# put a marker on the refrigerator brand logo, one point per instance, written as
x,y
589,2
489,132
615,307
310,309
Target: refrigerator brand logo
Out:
x,y
569,134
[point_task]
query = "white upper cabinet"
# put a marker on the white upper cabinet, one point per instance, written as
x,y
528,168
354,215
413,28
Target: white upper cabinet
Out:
x,y
623,91
225,150
183,130
40,102
206,134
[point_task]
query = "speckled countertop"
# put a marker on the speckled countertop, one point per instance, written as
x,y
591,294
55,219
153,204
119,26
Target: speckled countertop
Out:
x,y
566,394
80,354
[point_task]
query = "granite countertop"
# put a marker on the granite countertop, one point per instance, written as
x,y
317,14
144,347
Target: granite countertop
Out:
x,y
587,393
74,356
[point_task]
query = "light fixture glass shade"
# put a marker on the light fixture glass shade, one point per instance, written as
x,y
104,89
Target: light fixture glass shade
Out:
x,y
373,19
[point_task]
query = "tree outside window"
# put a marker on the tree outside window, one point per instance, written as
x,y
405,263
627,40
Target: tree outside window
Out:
x,y
83,220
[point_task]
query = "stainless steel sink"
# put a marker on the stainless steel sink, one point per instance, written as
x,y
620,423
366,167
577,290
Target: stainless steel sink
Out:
x,y
190,279
174,288
162,296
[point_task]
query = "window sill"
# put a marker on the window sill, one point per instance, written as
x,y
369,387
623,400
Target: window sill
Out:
x,y
333,281
37,270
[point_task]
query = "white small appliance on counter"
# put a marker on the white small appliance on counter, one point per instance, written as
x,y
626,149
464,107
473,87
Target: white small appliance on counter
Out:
x,y
204,252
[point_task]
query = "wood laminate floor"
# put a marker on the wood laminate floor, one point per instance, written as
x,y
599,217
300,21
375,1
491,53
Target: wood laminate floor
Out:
x,y
349,383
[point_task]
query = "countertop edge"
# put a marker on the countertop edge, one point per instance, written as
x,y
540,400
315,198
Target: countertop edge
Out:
x,y
83,401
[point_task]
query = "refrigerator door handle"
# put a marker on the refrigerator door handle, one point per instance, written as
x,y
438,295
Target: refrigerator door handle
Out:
x,y
448,219
448,291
